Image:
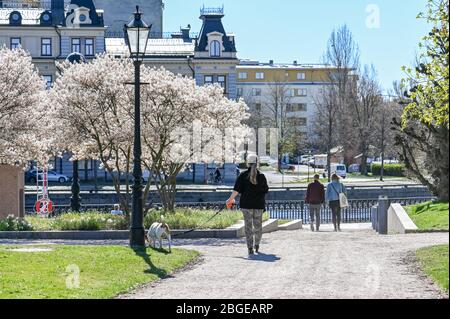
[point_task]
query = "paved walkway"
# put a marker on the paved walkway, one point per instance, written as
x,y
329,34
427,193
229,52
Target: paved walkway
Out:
x,y
356,263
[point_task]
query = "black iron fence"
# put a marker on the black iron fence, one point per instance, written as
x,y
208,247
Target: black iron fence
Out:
x,y
359,210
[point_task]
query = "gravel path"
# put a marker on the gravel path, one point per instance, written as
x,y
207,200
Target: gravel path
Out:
x,y
356,263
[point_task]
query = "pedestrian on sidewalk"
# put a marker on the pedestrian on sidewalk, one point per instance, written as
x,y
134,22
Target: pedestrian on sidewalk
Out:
x,y
334,189
253,188
315,198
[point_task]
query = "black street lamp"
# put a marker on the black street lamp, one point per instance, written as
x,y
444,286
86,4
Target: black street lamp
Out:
x,y
75,199
136,37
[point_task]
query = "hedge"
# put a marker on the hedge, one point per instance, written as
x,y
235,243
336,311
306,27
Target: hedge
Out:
x,y
389,169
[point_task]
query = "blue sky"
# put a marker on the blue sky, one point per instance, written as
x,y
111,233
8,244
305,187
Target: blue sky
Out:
x,y
288,30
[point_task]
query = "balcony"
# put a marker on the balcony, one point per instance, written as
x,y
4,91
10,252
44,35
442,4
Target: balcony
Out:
x,y
211,11
29,4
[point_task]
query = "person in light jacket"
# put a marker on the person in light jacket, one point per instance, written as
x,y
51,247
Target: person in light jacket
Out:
x,y
332,197
253,188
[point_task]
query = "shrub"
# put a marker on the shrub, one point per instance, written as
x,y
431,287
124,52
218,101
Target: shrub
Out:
x,y
187,218
80,221
389,169
12,223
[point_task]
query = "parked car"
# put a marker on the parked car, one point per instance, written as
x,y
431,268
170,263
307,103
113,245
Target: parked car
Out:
x,y
305,159
284,166
339,169
319,161
52,176
354,168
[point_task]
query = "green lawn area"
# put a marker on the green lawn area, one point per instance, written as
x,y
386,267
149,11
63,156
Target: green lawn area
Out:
x,y
429,216
434,262
105,271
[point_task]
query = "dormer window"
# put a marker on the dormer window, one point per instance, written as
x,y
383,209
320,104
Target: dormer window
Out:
x,y
15,18
215,49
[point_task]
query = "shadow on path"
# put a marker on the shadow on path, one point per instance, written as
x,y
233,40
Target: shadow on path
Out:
x,y
268,258
142,252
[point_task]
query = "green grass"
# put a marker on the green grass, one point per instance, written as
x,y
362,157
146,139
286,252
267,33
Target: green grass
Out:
x,y
194,218
105,271
434,262
429,216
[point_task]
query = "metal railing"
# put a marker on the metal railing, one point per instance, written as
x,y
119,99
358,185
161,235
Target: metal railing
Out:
x,y
152,35
91,189
359,211
27,4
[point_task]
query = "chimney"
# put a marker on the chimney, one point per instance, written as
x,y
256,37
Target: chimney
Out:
x,y
58,12
185,32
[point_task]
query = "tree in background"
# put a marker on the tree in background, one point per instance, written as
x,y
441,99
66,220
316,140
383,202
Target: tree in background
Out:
x,y
22,109
90,112
364,103
92,115
342,54
423,133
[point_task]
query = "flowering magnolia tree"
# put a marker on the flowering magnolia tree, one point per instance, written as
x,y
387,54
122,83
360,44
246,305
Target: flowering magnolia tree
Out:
x,y
93,113
183,123
23,134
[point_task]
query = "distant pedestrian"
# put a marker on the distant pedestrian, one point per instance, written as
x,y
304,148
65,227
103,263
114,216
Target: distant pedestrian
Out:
x,y
315,198
252,186
334,189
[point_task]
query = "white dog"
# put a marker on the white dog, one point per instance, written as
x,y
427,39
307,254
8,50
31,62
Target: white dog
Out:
x,y
158,232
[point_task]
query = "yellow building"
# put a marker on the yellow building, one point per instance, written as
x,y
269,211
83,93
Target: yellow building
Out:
x,y
291,90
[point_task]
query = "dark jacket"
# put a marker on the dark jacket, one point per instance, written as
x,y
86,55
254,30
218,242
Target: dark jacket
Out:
x,y
252,196
315,194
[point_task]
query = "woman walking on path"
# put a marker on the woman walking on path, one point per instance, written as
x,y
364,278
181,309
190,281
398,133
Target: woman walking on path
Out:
x,y
334,189
315,198
252,186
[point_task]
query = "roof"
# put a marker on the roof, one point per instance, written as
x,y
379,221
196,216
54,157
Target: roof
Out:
x,y
29,16
212,22
158,47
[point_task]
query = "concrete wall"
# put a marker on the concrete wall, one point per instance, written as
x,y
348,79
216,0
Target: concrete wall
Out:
x,y
119,12
12,197
399,221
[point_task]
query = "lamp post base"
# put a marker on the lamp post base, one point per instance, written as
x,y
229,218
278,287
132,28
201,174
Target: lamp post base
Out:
x,y
137,237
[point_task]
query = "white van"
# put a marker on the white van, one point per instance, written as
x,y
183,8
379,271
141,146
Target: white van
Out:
x,y
339,169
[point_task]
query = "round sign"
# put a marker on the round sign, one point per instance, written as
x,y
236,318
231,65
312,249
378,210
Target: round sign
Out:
x,y
44,206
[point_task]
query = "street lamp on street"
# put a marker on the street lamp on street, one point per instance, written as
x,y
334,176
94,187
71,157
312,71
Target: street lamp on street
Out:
x,y
136,37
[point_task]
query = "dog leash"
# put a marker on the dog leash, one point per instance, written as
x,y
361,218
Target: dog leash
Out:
x,y
194,229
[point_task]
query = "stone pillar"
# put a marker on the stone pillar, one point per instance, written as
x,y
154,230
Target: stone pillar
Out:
x,y
12,194
383,207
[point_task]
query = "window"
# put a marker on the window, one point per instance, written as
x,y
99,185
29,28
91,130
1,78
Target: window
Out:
x,y
301,76
208,79
259,75
302,92
222,80
243,75
298,121
296,107
46,47
85,165
76,45
48,80
256,92
15,43
89,47
215,49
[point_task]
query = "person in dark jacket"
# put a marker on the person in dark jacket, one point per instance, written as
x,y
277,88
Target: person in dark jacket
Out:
x,y
252,186
315,198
